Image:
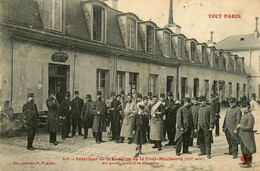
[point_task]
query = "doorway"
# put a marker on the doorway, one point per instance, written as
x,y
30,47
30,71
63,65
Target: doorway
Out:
x,y
59,80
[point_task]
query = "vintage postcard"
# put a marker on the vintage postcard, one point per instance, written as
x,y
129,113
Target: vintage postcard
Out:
x,y
129,85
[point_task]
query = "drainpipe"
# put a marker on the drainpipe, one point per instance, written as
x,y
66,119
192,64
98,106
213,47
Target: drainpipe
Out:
x,y
12,72
74,73
177,81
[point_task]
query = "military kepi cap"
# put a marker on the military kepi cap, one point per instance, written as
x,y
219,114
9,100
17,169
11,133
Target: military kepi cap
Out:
x,y
67,94
162,95
76,92
170,93
99,93
30,95
88,96
232,100
202,98
186,99
213,95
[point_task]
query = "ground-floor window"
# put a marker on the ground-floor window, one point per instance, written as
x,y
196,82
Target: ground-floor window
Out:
x,y
230,89
196,87
206,86
170,87
103,82
153,79
120,82
133,81
184,87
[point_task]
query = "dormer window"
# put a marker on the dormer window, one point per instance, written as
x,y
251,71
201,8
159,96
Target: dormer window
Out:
x,y
52,15
193,51
131,33
167,44
150,39
98,23
180,47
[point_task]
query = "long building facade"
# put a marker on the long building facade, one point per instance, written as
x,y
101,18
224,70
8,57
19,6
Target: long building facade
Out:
x,y
62,45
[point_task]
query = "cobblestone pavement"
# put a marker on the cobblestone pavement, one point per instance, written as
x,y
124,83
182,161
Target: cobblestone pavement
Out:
x,y
78,154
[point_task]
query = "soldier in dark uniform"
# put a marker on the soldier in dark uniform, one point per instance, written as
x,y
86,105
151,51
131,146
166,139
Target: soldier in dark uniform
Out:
x,y
99,109
184,127
205,124
215,105
170,121
116,108
77,105
87,116
30,114
65,112
246,134
111,115
52,117
232,119
194,111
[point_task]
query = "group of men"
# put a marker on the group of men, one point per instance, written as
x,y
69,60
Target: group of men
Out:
x,y
181,123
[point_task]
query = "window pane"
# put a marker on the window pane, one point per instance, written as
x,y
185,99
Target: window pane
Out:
x,y
131,32
150,39
166,44
97,23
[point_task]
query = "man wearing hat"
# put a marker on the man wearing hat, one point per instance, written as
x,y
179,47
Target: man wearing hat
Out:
x,y
194,111
170,121
247,142
77,105
65,112
30,114
87,116
156,125
111,119
52,117
184,126
204,124
99,109
215,105
231,120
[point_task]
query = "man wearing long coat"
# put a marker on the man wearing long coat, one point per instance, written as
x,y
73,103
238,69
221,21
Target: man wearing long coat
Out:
x,y
246,134
77,105
194,111
231,120
30,114
170,121
116,108
65,113
52,117
215,105
128,122
156,124
205,124
184,127
87,116
99,109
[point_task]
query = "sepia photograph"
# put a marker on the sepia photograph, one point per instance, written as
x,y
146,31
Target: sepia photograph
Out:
x,y
129,85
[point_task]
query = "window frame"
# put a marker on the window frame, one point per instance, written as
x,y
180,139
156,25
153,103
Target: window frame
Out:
x,y
146,39
164,42
129,18
103,24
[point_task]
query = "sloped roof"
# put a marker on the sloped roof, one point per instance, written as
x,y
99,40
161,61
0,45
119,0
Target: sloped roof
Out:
x,y
244,41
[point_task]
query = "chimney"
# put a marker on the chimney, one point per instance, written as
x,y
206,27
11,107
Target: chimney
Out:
x,y
256,29
211,36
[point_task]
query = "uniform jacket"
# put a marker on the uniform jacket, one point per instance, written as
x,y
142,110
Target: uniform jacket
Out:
x,y
30,113
65,109
205,120
87,115
140,126
115,114
53,115
99,124
215,105
156,125
231,120
246,132
170,112
77,105
184,120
